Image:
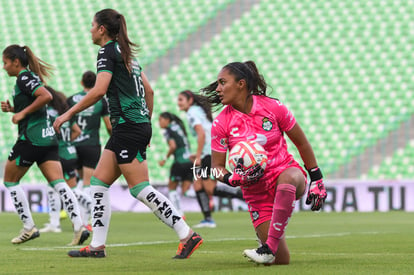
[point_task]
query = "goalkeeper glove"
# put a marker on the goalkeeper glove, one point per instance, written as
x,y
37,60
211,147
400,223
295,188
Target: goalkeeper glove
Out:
x,y
245,178
316,192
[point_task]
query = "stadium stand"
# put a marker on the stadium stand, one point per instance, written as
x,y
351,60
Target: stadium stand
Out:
x,y
342,67
345,68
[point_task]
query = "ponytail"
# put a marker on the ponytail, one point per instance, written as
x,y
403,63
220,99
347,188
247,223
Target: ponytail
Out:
x,y
173,118
115,24
59,101
201,101
28,59
256,84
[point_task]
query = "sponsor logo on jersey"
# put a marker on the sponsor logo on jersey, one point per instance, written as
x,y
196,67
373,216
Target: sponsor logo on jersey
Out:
x,y
233,132
52,112
32,83
259,138
214,122
135,66
48,132
82,137
88,111
24,77
77,98
100,63
267,124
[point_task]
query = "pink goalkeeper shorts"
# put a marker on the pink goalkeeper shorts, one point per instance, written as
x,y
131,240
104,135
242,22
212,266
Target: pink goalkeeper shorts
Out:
x,y
261,204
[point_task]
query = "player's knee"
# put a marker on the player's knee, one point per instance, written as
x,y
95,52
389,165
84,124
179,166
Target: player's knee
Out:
x,y
291,175
135,190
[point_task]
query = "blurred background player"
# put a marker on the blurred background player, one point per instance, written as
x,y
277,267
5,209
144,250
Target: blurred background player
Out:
x,y
198,110
36,140
68,158
131,100
271,194
178,146
88,144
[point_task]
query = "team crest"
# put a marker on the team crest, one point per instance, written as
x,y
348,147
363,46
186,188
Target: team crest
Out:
x,y
255,215
224,142
267,124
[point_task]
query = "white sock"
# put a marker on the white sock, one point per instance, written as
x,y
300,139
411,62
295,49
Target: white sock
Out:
x,y
85,203
21,204
164,210
175,200
55,205
87,190
80,184
190,193
70,204
101,214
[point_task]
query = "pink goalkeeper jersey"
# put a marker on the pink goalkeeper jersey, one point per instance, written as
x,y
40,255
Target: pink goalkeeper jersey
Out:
x,y
266,123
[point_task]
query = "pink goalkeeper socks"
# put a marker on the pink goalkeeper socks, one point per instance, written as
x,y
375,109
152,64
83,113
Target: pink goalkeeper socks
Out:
x,y
282,210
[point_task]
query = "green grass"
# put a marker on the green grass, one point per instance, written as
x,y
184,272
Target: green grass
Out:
x,y
138,243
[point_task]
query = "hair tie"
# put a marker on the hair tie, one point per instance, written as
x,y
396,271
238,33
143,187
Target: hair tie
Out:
x,y
189,93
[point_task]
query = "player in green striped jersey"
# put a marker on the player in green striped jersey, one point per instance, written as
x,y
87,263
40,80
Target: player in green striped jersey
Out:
x,y
130,99
68,158
88,144
36,140
178,146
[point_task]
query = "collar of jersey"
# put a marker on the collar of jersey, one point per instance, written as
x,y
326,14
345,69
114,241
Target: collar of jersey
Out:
x,y
22,71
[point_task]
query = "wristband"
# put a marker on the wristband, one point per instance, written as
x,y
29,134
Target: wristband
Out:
x,y
315,174
226,178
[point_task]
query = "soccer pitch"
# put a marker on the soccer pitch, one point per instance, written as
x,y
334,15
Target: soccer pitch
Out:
x,y
138,243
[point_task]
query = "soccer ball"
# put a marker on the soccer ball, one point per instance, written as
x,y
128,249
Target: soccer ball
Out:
x,y
250,151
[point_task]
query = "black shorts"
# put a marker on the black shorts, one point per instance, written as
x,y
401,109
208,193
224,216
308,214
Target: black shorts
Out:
x,y
26,154
204,171
69,168
181,171
129,141
88,156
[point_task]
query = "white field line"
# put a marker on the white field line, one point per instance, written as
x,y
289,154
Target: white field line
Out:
x,y
338,234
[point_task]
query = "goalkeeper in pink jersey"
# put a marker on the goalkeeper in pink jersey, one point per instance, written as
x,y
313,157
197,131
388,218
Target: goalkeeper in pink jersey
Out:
x,y
270,194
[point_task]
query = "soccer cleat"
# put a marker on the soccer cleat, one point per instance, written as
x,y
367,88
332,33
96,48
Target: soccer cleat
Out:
x,y
87,252
80,236
26,235
184,251
50,228
206,223
179,249
261,255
